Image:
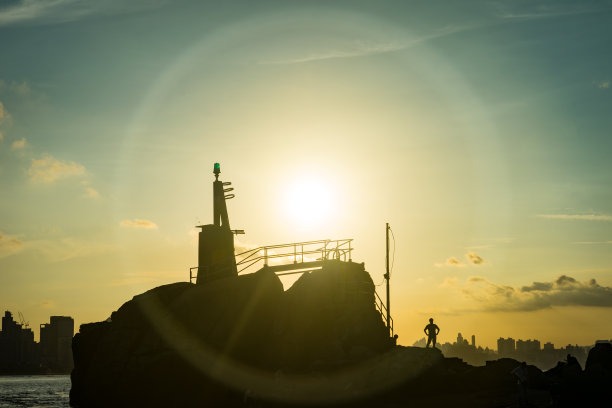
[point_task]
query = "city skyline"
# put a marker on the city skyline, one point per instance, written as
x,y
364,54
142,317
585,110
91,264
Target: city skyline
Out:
x,y
479,130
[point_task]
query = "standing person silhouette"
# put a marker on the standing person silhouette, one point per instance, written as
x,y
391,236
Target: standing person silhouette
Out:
x,y
431,330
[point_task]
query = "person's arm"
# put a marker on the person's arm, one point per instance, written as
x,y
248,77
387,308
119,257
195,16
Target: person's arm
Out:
x,y
437,330
425,330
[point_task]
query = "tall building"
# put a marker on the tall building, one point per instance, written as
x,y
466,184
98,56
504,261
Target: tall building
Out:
x,y
527,346
18,351
473,340
56,343
505,347
459,338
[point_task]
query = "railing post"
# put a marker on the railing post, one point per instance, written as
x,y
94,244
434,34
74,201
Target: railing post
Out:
x,y
350,249
265,256
294,253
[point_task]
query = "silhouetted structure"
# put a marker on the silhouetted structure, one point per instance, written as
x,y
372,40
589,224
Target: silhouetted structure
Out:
x,y
505,347
56,344
18,351
216,241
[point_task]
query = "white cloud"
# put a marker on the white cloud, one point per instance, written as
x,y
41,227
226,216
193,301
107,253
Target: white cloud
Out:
x,y
48,169
19,144
9,245
583,217
136,223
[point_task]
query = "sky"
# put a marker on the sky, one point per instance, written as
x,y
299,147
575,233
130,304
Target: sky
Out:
x,y
479,130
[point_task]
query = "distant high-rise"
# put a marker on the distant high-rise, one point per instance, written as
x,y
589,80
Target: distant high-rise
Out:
x,y
459,338
527,346
505,347
473,340
56,343
17,347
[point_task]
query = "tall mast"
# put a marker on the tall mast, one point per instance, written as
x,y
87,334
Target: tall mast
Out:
x,y
387,278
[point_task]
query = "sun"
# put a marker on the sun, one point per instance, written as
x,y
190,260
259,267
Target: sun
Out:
x,y
308,202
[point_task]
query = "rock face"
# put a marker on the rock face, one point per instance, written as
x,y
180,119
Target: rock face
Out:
x,y
224,341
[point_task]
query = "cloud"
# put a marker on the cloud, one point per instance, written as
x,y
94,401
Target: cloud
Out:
x,y
62,11
539,10
584,217
603,84
452,261
541,286
593,242
9,245
19,144
136,223
366,48
91,193
3,113
47,304
63,249
563,291
474,258
449,282
48,169
20,88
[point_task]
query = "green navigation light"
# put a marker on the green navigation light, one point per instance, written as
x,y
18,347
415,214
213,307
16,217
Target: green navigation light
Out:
x,y
217,168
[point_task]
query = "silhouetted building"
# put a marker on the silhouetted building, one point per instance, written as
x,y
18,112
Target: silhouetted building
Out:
x,y
56,343
505,347
18,351
473,340
527,346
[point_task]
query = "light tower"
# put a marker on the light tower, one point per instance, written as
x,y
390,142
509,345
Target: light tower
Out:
x,y
216,241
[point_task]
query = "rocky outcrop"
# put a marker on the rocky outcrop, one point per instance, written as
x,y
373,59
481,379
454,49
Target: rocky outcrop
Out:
x,y
187,345
243,341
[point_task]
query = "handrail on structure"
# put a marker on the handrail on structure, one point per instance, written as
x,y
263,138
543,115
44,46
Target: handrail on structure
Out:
x,y
380,305
325,249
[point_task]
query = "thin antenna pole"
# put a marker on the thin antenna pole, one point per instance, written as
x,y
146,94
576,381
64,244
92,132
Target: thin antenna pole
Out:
x,y
387,277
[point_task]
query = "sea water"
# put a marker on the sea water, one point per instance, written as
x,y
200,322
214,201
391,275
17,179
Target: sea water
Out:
x,y
40,391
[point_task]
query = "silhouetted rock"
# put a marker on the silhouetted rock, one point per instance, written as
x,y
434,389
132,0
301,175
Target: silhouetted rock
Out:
x,y
600,359
186,345
243,341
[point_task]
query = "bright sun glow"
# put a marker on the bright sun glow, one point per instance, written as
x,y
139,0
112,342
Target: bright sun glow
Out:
x,y
308,202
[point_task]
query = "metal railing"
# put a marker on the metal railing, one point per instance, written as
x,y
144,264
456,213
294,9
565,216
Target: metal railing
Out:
x,y
295,253
380,305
